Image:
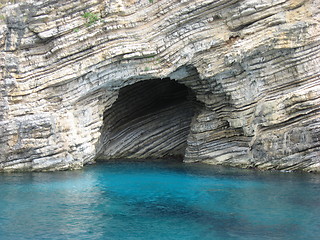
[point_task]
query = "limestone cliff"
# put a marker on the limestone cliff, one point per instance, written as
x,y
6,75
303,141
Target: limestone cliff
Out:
x,y
232,82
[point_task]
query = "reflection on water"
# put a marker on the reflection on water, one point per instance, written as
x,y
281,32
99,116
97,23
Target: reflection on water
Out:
x,y
159,201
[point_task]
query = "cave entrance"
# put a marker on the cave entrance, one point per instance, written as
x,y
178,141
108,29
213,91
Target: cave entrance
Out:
x,y
149,120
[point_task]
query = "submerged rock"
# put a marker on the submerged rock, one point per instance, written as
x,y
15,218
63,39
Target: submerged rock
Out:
x,y
223,82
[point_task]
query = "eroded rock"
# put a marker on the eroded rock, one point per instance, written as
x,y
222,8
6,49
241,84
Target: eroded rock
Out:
x,y
252,67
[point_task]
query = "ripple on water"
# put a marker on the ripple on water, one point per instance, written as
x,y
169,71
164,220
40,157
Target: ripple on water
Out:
x,y
159,201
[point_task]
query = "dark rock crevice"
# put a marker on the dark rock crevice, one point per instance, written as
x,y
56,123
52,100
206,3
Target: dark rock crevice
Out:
x,y
150,119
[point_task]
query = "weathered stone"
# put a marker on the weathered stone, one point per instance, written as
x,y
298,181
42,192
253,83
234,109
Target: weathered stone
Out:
x,y
250,70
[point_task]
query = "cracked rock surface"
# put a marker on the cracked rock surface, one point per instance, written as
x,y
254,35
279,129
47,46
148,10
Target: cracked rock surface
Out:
x,y
229,82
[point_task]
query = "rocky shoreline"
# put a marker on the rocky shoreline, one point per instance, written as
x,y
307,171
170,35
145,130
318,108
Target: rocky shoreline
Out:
x,y
234,83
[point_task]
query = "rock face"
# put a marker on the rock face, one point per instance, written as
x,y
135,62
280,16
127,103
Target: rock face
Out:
x,y
232,82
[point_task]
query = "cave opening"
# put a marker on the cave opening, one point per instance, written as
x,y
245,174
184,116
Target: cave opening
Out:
x,y
149,120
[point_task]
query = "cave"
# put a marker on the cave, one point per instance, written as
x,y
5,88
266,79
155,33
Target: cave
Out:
x,y
149,120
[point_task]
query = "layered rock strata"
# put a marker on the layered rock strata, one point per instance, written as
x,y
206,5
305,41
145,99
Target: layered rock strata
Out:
x,y
149,119
248,72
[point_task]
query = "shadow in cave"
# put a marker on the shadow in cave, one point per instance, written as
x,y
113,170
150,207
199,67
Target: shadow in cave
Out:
x,y
149,120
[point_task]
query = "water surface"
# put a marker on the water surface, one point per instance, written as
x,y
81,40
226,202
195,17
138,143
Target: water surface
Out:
x,y
159,201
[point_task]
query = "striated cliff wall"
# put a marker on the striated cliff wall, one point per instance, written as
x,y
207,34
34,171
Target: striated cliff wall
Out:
x,y
232,82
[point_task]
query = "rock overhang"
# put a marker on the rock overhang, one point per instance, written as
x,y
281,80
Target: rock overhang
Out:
x,y
251,63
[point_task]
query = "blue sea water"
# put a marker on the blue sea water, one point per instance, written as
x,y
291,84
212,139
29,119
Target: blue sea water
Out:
x,y
139,200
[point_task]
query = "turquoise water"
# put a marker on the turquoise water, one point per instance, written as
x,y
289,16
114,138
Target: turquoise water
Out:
x,y
159,201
